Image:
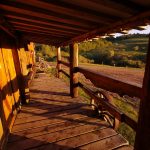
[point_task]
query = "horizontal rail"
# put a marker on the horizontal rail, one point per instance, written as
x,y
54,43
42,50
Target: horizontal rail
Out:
x,y
65,63
113,110
65,73
111,84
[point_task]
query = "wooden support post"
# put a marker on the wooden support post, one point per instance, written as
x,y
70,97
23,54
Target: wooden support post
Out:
x,y
19,73
143,130
73,70
58,62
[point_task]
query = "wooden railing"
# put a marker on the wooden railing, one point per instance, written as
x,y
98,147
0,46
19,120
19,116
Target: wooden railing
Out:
x,y
65,73
65,63
104,102
111,84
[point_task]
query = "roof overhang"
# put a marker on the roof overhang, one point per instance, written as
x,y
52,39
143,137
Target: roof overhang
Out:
x,y
62,22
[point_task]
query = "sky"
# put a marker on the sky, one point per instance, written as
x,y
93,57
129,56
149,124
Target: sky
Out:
x,y
134,31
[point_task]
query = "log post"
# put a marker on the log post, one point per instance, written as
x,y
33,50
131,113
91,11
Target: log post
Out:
x,y
19,75
73,70
58,62
143,130
22,79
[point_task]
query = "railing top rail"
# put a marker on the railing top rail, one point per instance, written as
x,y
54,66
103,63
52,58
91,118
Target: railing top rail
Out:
x,y
64,63
111,84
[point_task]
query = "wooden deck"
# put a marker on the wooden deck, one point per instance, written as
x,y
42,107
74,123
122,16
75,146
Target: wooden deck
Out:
x,y
55,121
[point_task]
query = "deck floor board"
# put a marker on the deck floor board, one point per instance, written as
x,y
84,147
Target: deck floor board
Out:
x,y
55,121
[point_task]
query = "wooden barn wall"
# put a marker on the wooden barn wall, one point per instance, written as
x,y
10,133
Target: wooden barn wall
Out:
x,y
14,62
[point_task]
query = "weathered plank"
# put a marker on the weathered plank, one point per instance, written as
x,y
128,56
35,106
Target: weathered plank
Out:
x,y
105,144
47,120
25,114
48,128
90,125
51,128
80,140
125,148
83,110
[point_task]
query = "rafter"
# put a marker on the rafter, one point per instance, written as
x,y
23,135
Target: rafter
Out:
x,y
5,26
22,19
48,28
39,34
108,7
73,12
14,15
10,6
30,29
131,22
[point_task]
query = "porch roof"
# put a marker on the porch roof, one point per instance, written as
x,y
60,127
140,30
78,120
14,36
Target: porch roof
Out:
x,y
60,22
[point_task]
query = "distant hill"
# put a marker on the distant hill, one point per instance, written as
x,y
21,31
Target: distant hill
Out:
x,y
124,51
133,42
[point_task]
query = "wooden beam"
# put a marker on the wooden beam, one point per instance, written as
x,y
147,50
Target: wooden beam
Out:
x,y
51,41
44,30
43,42
73,72
46,33
38,34
35,12
65,63
14,15
22,18
65,73
45,24
108,7
118,26
5,26
73,12
110,84
38,38
143,131
47,28
58,62
42,39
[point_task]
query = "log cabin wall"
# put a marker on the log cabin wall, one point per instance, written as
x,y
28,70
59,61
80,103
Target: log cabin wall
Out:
x,y
14,62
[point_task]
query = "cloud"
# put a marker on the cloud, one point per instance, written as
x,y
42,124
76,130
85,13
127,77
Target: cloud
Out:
x,y
145,31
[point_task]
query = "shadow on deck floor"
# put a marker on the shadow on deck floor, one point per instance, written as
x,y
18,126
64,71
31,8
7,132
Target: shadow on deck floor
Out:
x,y
55,121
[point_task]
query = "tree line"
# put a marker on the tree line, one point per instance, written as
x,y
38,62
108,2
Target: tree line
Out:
x,y
125,51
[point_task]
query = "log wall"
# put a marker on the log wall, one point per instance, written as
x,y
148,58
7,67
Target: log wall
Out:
x,y
14,62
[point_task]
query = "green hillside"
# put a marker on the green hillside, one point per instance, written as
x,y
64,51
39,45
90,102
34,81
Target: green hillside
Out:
x,y
125,51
